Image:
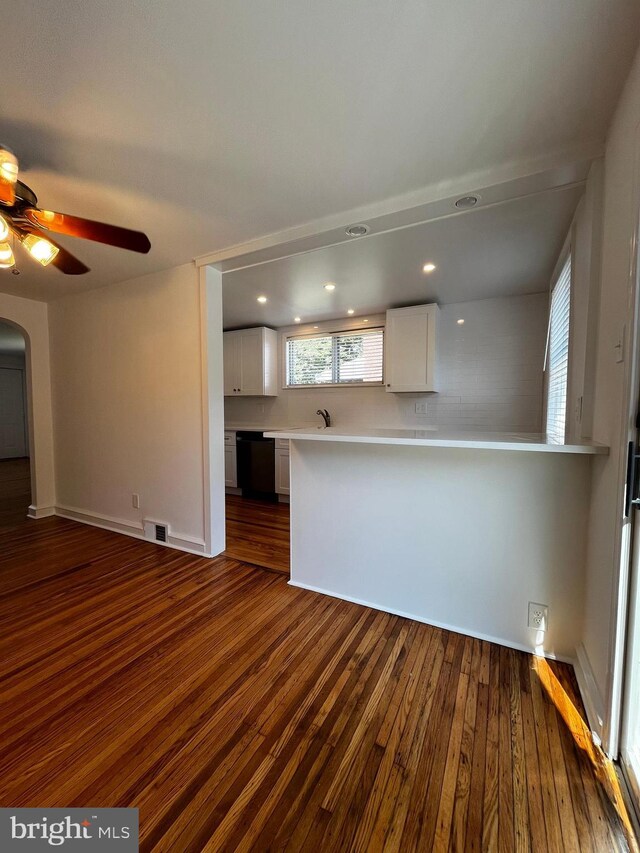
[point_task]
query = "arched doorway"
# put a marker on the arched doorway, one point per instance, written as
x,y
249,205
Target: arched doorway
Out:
x,y
15,444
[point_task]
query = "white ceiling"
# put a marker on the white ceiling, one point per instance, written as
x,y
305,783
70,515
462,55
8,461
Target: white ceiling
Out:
x,y
11,340
209,122
504,250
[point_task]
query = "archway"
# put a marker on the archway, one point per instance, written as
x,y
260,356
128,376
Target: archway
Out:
x,y
15,475
30,319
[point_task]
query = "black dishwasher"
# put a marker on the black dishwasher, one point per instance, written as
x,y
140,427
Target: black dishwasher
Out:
x,y
256,465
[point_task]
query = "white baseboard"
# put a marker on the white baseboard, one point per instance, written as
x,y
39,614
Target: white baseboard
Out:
x,y
40,511
190,544
590,693
454,628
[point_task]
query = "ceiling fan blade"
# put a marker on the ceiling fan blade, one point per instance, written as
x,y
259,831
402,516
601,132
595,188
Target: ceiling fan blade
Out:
x,y
8,176
64,260
100,232
68,263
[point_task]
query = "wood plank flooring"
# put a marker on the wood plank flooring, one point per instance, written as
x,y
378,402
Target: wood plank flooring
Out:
x,y
239,713
258,532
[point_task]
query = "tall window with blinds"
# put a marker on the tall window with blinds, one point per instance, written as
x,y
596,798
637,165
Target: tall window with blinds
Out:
x,y
340,358
557,357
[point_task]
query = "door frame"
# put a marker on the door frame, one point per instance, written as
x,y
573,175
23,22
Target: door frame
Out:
x,y
621,604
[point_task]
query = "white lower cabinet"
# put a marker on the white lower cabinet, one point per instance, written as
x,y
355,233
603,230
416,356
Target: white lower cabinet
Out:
x,y
230,461
282,466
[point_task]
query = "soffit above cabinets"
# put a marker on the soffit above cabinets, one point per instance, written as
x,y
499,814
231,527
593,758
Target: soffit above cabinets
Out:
x,y
505,249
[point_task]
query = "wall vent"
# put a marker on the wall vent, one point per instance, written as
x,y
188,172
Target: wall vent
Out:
x,y
156,531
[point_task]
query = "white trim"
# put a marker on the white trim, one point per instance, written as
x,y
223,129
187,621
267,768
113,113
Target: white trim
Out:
x,y
496,185
591,696
455,628
621,568
181,542
210,295
40,511
204,399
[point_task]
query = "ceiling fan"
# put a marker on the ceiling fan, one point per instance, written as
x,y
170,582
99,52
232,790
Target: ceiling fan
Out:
x,y
20,216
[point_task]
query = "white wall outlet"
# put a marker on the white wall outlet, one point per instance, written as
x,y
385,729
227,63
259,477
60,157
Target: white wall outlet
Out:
x,y
135,501
538,616
421,407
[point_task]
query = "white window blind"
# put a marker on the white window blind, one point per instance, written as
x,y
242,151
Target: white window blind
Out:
x,y
340,358
557,361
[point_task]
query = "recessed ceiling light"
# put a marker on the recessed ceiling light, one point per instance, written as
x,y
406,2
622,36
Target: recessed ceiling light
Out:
x,y
262,299
461,322
329,286
315,327
365,321
296,319
357,230
429,267
466,202
350,311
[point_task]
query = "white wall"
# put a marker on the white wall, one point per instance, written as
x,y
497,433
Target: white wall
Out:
x,y
32,318
491,373
127,366
455,537
620,212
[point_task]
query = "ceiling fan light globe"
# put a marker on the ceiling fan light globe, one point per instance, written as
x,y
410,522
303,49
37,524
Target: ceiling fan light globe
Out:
x,y
8,173
4,229
41,250
7,259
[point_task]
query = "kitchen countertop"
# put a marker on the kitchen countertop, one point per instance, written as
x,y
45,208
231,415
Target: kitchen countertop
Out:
x,y
261,428
439,438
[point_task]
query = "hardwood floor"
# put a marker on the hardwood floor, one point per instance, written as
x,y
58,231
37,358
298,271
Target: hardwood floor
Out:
x,y
15,491
258,532
239,713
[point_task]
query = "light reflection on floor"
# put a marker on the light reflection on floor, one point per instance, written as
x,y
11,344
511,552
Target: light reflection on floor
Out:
x,y
604,769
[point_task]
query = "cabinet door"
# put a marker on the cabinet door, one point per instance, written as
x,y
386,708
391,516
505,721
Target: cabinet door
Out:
x,y
282,471
411,349
250,357
230,363
230,467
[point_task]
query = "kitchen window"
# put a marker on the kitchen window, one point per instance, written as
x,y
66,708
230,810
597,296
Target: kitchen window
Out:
x,y
339,358
557,358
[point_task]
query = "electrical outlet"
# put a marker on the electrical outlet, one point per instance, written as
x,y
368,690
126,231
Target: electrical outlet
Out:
x,y
421,407
538,616
135,501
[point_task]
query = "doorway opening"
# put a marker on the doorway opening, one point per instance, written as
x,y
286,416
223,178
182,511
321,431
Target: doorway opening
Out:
x,y
15,473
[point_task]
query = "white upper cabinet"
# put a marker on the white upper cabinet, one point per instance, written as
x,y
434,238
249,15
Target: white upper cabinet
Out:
x,y
410,348
250,363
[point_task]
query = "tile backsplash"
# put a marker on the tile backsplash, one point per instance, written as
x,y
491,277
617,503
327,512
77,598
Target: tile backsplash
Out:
x,y
490,378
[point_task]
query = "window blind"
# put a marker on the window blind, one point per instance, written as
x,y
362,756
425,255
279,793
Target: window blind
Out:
x,y
558,354
340,358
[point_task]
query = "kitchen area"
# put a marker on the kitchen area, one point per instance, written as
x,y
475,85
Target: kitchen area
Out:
x,y
405,404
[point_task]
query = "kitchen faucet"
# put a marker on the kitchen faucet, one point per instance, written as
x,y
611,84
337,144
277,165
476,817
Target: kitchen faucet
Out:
x,y
327,417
